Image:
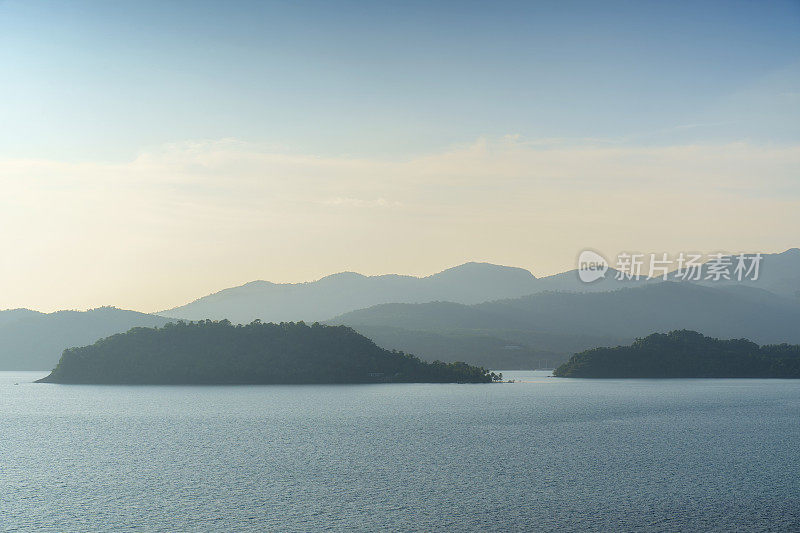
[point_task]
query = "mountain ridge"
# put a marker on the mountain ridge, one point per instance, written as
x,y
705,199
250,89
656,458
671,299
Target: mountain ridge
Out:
x,y
469,283
340,292
552,324
35,341
32,340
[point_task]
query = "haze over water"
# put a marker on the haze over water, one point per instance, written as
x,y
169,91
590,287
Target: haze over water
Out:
x,y
544,454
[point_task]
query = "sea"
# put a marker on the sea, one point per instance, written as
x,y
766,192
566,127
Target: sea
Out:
x,y
538,454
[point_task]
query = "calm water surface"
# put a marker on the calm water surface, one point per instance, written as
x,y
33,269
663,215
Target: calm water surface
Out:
x,y
542,454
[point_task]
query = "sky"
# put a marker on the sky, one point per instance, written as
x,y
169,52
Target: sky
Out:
x,y
155,152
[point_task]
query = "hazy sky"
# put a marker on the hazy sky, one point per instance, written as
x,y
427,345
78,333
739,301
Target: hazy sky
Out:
x,y
153,152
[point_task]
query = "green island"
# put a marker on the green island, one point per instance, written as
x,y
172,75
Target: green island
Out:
x,y
218,352
685,354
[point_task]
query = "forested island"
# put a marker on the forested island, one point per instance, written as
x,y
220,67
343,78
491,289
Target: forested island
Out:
x,y
685,354
218,352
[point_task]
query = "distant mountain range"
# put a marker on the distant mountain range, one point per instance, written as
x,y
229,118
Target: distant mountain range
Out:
x,y
625,313
30,340
339,293
485,314
549,326
778,273
469,283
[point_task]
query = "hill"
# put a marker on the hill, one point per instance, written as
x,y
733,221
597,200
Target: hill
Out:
x,y
347,291
30,340
537,322
622,313
492,349
685,354
778,274
220,353
552,325
467,284
10,316
664,306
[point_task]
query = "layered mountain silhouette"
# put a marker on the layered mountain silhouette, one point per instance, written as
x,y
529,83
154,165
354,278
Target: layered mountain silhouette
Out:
x,y
551,325
777,273
30,340
333,295
490,315
469,283
339,293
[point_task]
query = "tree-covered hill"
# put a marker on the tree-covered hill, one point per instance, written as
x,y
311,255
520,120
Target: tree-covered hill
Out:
x,y
685,354
211,352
